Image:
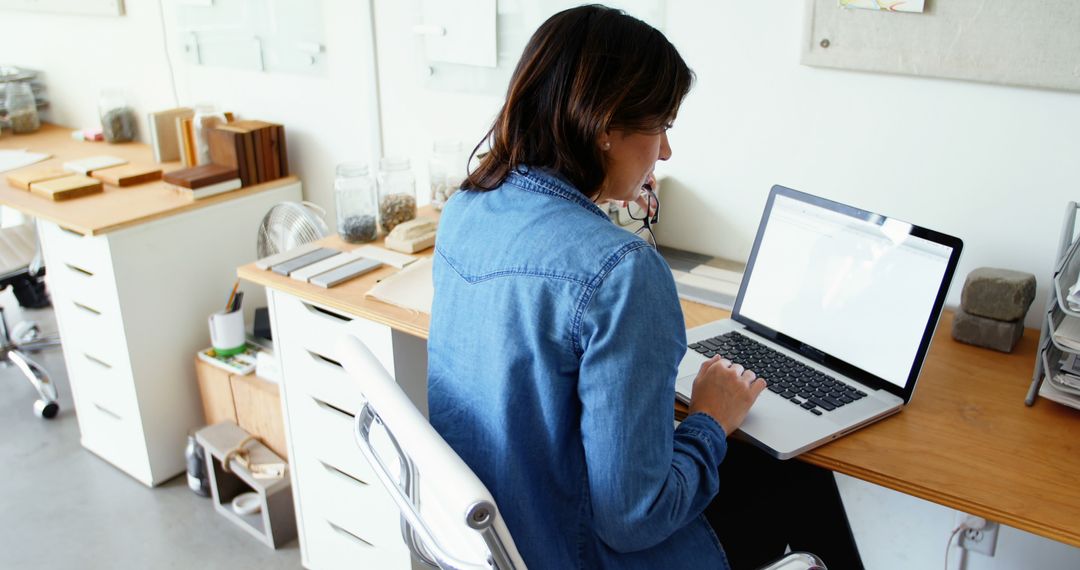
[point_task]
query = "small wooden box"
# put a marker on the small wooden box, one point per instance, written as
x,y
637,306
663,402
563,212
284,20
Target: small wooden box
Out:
x,y
216,391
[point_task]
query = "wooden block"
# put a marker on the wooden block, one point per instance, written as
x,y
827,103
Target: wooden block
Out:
x,y
275,156
216,391
23,178
258,410
260,155
87,166
128,175
224,144
185,135
66,188
282,154
199,176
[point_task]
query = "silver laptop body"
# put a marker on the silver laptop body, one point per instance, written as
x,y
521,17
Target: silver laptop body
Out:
x,y
852,296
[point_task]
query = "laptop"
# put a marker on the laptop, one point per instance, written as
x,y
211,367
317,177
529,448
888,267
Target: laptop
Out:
x,y
836,310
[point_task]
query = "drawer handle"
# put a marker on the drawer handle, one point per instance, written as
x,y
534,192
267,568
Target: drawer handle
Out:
x,y
333,408
342,474
108,412
318,357
72,232
79,270
97,361
348,534
313,309
87,308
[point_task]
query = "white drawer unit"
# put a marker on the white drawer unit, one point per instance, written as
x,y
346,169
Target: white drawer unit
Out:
x,y
132,307
345,518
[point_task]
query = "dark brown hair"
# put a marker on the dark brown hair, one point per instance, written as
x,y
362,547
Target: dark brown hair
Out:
x,y
585,70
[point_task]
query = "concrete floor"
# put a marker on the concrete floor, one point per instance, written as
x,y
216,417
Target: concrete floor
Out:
x,y
63,507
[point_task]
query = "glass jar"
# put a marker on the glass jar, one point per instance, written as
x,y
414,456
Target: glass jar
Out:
x,y
205,118
357,205
446,170
397,192
117,117
21,108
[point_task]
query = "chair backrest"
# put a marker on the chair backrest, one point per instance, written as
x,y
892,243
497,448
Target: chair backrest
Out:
x,y
449,518
18,247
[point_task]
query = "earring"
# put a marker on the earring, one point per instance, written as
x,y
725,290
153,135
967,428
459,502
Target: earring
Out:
x,y
606,145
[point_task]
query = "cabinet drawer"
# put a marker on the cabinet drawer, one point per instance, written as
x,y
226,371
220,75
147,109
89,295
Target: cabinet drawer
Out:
x,y
318,329
311,375
97,290
112,434
325,433
110,386
90,253
86,329
334,547
363,508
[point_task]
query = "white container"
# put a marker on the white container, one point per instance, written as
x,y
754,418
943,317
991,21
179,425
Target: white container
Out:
x,y
227,332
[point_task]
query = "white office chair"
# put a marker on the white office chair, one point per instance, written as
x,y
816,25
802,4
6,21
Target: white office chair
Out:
x,y
20,268
449,518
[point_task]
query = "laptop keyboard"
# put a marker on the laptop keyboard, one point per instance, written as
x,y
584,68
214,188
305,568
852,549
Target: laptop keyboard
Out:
x,y
790,379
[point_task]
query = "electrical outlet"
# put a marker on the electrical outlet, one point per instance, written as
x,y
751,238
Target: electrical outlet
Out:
x,y
982,540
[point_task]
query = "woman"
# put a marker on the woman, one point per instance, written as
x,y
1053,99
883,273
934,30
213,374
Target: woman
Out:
x,y
556,336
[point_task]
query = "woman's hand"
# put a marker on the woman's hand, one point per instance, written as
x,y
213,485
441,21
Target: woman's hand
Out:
x,y
725,392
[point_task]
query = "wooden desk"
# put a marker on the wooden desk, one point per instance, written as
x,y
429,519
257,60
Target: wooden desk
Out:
x,y
133,274
115,208
966,440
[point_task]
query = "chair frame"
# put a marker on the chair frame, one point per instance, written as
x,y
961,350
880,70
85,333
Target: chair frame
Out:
x,y
405,493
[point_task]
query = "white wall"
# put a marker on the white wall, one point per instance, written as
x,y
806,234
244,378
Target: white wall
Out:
x,y
993,165
327,118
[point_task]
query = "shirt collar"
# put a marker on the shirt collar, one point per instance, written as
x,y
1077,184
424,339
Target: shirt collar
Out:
x,y
547,181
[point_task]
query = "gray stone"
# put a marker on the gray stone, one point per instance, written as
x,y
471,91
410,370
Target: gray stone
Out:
x,y
1000,294
988,333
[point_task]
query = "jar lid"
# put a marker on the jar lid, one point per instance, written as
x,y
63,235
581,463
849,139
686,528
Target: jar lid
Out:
x,y
393,163
352,169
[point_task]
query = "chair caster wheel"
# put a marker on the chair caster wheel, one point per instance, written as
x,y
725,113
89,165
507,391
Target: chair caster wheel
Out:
x,y
46,410
25,331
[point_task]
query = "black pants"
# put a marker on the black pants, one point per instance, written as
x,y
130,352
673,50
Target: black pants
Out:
x,y
766,504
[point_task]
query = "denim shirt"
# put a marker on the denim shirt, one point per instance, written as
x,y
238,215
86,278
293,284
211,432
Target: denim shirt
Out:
x,y
554,346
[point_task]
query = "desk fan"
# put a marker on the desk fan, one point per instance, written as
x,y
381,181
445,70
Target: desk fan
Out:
x,y
288,225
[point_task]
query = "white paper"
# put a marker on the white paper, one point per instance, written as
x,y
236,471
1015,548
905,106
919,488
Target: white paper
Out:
x,y
714,285
410,288
15,159
717,273
886,5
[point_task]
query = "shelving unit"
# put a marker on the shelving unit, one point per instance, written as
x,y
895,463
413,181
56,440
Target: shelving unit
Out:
x,y
275,522
1045,381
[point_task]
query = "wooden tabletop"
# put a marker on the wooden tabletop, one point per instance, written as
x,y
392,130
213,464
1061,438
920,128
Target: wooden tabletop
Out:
x,y
115,208
966,440
348,297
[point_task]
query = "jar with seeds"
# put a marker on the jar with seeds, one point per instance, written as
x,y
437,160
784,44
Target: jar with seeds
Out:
x,y
21,108
117,117
354,193
397,192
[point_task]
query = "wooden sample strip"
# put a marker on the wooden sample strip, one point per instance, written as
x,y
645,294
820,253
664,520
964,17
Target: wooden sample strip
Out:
x,y
199,176
66,188
128,175
90,164
24,177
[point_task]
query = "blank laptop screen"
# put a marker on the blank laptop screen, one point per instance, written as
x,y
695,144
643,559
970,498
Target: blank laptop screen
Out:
x,y
858,289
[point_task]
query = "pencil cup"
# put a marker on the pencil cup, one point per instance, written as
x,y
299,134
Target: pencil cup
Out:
x,y
227,332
